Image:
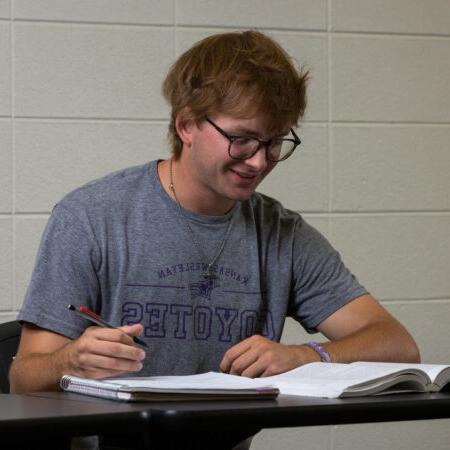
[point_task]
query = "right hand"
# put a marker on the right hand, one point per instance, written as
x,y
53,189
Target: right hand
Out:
x,y
104,352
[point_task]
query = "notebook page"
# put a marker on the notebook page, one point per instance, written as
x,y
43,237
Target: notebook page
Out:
x,y
210,380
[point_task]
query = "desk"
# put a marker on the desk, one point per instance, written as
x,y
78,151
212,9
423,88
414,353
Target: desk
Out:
x,y
37,416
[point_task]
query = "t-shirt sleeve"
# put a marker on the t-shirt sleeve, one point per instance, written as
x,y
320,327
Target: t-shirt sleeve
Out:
x,y
65,273
322,283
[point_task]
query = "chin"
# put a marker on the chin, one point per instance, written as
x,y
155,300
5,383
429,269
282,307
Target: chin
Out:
x,y
242,196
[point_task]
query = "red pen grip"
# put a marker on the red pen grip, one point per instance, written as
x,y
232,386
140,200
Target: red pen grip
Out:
x,y
88,311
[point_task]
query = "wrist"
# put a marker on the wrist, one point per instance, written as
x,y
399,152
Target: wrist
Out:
x,y
321,353
63,363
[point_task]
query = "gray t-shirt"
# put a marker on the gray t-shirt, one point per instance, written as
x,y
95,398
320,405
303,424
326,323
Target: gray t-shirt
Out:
x,y
120,247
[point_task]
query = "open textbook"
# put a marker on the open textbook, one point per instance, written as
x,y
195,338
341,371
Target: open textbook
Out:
x,y
328,380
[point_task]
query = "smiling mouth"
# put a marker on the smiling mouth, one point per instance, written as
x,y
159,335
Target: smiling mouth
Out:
x,y
244,175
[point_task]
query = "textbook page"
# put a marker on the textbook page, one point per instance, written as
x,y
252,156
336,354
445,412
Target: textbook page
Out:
x,y
317,380
432,370
330,379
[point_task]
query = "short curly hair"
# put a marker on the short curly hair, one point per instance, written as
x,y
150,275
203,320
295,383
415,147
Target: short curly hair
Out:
x,y
239,74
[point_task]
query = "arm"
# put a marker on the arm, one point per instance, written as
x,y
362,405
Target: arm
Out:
x,y
43,356
66,271
360,330
364,330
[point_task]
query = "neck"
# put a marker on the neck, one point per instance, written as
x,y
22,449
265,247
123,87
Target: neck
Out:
x,y
189,192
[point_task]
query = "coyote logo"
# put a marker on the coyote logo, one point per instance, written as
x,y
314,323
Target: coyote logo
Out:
x,y
203,288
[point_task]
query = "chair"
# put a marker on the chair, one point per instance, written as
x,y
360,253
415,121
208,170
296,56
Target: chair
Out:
x,y
9,342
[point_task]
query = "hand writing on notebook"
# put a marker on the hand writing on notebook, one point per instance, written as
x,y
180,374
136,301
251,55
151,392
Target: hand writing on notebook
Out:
x,y
105,352
258,356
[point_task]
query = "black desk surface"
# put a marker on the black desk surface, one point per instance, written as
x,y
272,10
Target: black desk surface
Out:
x,y
42,413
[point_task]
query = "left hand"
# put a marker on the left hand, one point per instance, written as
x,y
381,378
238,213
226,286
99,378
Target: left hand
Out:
x,y
258,356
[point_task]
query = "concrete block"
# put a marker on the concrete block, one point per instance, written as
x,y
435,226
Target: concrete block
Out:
x,y
5,72
311,438
292,14
294,334
5,9
8,316
387,78
111,11
309,52
91,71
28,231
321,223
396,256
411,435
427,321
391,16
6,263
386,168
53,158
301,182
5,166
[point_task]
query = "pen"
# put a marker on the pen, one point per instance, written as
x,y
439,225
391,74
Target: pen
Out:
x,y
95,318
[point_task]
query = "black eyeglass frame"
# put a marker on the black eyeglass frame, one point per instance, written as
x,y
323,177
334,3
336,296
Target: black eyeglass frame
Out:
x,y
266,144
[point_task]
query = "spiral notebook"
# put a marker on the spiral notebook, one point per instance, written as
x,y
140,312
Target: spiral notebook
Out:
x,y
205,386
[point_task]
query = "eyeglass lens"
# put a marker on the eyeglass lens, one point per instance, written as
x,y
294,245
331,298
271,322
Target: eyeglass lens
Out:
x,y
246,147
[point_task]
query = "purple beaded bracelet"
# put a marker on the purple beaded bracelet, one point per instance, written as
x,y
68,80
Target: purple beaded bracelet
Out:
x,y
324,356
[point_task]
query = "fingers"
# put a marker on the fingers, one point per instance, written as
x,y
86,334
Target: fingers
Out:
x,y
97,364
117,345
132,330
104,352
245,357
229,364
258,356
122,334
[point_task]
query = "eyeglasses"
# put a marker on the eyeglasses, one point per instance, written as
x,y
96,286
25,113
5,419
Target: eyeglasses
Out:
x,y
244,147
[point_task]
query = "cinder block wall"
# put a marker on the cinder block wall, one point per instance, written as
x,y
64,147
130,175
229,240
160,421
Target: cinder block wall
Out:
x,y
80,97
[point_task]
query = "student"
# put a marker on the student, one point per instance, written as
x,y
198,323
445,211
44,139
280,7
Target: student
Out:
x,y
184,253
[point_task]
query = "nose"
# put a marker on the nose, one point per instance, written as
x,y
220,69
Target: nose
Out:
x,y
258,161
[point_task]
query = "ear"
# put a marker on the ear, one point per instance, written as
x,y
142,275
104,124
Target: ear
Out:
x,y
185,126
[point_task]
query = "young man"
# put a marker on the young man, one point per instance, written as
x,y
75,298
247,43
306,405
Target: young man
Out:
x,y
184,253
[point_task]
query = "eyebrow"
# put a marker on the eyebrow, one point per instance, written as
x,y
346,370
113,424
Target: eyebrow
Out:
x,y
243,131
240,130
